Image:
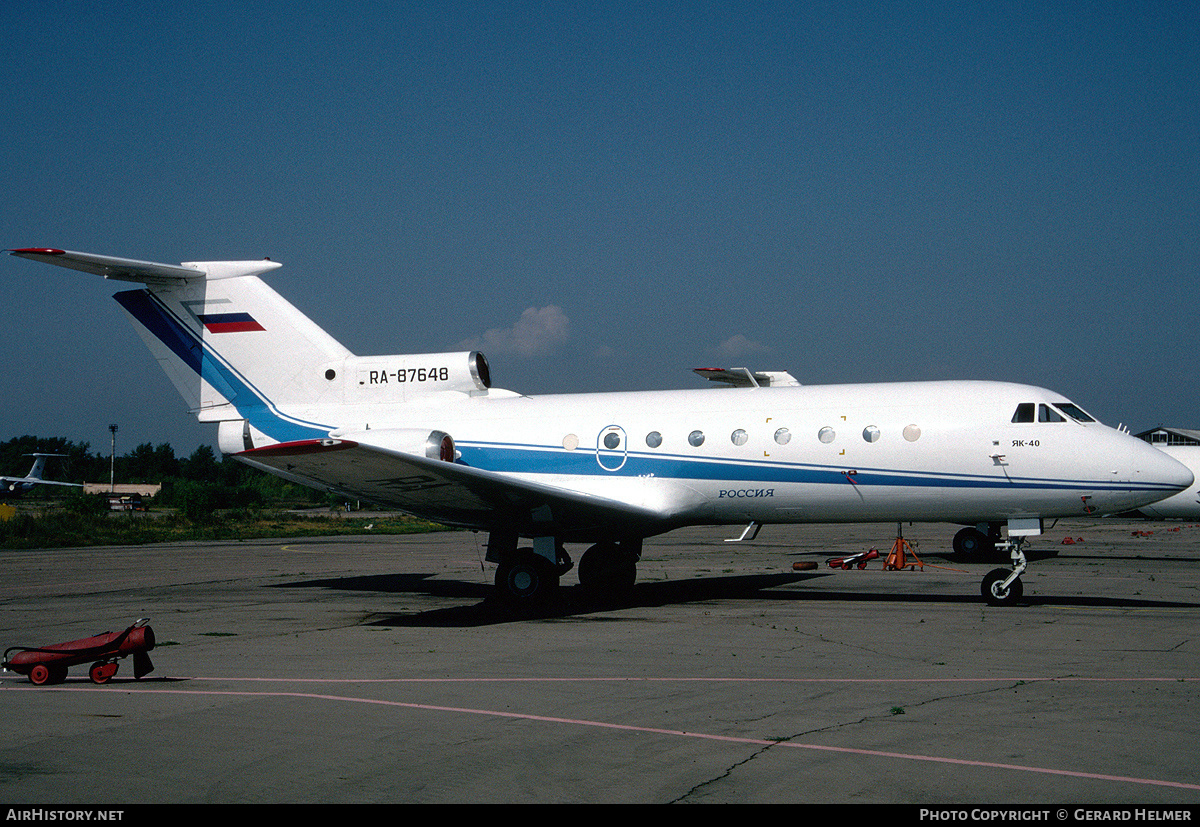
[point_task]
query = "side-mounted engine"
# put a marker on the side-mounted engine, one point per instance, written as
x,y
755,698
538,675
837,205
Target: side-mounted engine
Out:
x,y
371,379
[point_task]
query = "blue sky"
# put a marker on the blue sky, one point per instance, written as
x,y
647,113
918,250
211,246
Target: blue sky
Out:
x,y
606,195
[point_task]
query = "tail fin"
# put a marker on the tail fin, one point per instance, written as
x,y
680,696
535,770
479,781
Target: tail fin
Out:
x,y
242,356
234,348
232,342
39,465
36,475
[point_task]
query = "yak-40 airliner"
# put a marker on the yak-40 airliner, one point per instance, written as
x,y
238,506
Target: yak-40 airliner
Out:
x,y
427,434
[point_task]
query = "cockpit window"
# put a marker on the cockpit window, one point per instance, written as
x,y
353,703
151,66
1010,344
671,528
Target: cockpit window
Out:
x,y
1073,411
1041,412
1048,414
1024,412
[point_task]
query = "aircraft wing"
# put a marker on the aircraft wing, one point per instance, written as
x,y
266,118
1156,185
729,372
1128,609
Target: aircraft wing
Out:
x,y
7,481
450,493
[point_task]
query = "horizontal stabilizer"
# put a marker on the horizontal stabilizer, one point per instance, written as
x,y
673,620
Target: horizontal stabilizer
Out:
x,y
745,378
144,272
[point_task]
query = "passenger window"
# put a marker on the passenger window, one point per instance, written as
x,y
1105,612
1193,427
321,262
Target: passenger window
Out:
x,y
1024,412
1048,414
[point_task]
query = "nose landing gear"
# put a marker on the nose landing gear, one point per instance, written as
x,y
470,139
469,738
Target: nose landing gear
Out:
x,y
1002,587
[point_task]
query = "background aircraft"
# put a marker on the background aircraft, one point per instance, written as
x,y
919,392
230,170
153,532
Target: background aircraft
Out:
x,y
428,434
16,486
1183,445
1186,504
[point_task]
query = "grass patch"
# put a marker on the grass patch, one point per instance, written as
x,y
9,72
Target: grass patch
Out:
x,y
67,529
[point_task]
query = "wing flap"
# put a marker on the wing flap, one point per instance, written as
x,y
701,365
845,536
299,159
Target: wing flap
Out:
x,y
450,493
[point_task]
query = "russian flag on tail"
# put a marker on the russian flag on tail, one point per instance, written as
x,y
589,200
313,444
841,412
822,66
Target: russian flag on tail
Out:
x,y
229,323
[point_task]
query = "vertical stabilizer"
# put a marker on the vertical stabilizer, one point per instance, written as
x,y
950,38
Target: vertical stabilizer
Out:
x,y
39,465
236,349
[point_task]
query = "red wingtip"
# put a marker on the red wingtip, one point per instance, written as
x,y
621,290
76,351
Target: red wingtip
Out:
x,y
45,251
300,447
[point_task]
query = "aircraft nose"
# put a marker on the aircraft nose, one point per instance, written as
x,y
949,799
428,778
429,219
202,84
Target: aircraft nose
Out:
x,y
1158,469
1182,476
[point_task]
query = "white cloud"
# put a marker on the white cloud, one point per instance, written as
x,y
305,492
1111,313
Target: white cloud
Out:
x,y
537,331
738,345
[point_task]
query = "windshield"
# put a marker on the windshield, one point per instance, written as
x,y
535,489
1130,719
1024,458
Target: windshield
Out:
x,y
1073,411
1042,412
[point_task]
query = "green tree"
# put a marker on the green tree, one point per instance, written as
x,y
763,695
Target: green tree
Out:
x,y
201,466
147,463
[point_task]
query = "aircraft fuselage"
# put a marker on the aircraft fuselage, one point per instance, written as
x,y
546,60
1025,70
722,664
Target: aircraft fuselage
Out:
x,y
931,451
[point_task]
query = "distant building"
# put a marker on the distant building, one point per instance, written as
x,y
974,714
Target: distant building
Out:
x,y
1170,436
145,489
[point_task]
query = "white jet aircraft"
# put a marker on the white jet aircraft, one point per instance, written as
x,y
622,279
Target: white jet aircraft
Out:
x,y
1186,504
16,486
429,435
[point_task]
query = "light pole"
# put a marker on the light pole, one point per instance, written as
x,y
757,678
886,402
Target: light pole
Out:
x,y
112,458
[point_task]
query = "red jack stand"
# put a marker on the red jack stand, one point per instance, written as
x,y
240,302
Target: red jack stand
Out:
x,y
902,555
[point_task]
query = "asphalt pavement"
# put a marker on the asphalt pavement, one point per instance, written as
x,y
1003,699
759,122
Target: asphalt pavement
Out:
x,y
381,670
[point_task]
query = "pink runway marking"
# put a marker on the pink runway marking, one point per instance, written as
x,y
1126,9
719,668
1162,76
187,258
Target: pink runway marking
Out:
x,y
1067,679
671,732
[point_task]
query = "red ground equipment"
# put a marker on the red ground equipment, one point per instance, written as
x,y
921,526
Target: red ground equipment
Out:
x,y
48,664
859,560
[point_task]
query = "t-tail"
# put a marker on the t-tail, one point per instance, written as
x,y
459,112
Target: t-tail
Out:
x,y
37,472
244,357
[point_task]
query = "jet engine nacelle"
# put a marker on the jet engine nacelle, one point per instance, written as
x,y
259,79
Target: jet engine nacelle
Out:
x,y
396,378
416,441
430,444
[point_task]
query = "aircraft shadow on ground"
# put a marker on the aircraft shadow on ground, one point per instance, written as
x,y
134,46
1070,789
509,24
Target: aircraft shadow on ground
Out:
x,y
573,601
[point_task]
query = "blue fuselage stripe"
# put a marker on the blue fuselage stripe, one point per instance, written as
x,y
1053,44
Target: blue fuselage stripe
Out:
x,y
550,460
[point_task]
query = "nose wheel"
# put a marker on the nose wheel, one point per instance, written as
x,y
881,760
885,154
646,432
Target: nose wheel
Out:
x,y
1002,587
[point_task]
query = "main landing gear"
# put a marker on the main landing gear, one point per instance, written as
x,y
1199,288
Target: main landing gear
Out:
x,y
525,577
529,577
981,542
610,568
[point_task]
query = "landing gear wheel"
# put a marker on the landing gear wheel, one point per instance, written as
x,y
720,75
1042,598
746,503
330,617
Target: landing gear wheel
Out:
x,y
606,568
994,592
971,543
525,578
